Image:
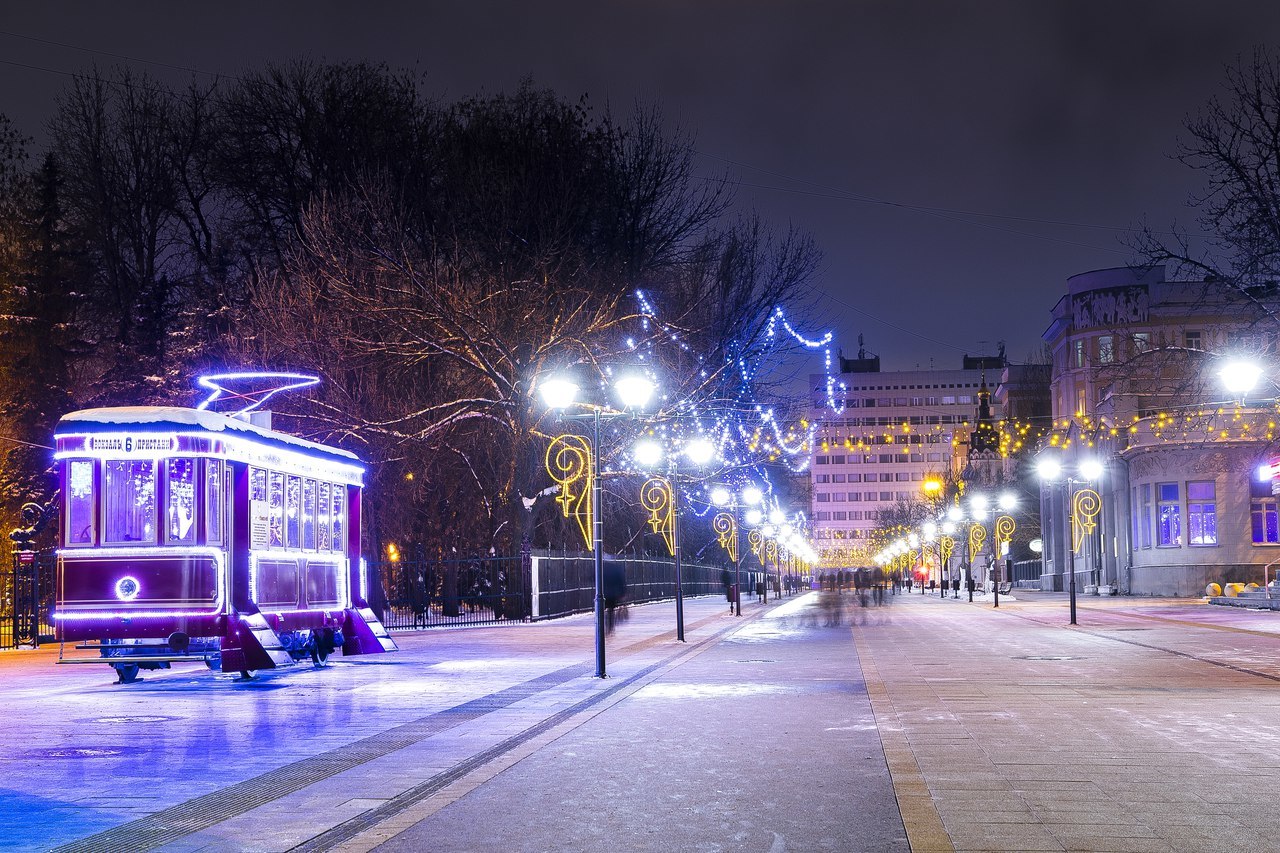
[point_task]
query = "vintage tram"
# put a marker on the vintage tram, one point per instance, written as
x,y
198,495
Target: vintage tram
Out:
x,y
189,535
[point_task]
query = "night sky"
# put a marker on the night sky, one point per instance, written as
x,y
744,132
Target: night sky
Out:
x,y
955,162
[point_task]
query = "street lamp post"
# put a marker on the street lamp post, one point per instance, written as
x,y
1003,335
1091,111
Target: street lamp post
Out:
x,y
1080,519
699,451
751,495
559,393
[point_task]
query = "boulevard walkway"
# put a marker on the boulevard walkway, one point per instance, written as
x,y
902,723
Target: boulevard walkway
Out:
x,y
808,724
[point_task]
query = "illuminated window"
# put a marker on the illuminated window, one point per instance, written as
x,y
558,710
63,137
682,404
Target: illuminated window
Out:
x,y
259,510
323,540
1168,515
129,506
1263,514
1077,352
213,497
339,518
1106,349
180,510
1202,515
1142,341
80,500
309,514
292,511
275,492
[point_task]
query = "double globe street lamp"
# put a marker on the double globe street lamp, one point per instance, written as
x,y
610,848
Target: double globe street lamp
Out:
x,y
724,497
559,393
698,451
1083,506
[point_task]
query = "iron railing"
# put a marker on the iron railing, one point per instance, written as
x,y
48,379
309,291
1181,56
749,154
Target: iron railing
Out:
x,y
26,599
486,590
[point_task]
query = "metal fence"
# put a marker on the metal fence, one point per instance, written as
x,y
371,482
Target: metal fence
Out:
x,y
26,599
487,590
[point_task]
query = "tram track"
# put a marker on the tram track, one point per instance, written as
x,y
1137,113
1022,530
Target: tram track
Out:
x,y
184,819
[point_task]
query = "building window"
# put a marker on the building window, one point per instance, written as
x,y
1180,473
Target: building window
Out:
x,y
886,496
1142,342
1106,349
1077,352
822,478
837,460
1193,340
1263,513
1202,515
821,460
1169,516
902,477
1080,403
837,478
1145,490
824,497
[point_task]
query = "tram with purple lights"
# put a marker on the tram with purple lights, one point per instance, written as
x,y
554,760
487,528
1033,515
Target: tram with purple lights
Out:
x,y
189,535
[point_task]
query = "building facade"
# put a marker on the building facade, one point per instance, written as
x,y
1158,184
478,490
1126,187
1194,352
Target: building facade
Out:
x,y
897,431
1134,386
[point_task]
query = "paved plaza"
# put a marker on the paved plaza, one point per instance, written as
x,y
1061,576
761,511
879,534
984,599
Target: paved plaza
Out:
x,y
813,723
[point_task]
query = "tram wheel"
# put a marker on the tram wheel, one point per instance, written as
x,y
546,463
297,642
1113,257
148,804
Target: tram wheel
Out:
x,y
319,659
247,674
127,673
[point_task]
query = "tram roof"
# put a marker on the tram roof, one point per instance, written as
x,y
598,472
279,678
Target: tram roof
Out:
x,y
155,418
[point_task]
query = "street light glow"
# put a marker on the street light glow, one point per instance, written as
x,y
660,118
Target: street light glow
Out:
x,y
1008,501
777,516
955,513
720,496
752,495
1049,469
754,517
700,451
634,391
1239,376
647,453
979,503
558,392
1091,469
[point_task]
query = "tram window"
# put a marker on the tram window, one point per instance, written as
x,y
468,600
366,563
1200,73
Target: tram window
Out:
x,y
180,514
213,500
309,515
292,510
80,529
259,510
323,542
339,529
129,505
275,492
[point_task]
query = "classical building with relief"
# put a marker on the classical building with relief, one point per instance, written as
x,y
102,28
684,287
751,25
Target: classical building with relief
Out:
x,y
1134,386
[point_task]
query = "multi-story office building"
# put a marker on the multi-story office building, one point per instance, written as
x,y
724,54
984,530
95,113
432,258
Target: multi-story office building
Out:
x,y
897,429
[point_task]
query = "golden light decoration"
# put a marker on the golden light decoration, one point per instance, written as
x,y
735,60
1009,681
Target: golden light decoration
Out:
x,y
726,528
946,544
1085,506
569,464
977,538
1005,526
754,539
771,551
655,497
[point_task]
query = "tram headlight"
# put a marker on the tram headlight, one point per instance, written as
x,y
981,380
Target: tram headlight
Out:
x,y
127,588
